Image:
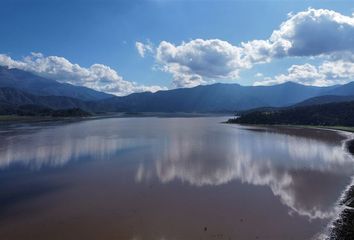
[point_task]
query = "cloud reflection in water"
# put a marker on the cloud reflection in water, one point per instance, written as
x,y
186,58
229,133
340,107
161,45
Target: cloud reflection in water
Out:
x,y
303,172
300,171
59,145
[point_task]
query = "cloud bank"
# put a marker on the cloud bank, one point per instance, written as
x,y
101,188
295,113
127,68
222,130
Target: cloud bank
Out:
x,y
98,76
328,73
319,33
325,35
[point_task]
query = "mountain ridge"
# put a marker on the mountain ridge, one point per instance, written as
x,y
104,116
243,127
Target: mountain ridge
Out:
x,y
36,85
14,97
218,97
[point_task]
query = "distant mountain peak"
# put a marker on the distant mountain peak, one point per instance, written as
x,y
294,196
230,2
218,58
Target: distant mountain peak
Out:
x,y
291,83
36,85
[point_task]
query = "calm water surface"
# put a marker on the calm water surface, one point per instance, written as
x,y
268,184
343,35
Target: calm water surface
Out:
x,y
168,178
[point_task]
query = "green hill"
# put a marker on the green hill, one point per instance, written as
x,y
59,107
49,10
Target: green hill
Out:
x,y
331,114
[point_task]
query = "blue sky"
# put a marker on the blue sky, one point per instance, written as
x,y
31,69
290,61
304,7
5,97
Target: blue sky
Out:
x,y
106,33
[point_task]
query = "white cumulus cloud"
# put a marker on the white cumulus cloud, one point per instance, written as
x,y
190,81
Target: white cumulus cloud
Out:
x,y
98,76
326,74
310,33
199,60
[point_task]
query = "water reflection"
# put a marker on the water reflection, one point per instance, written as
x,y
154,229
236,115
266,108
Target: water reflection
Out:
x,y
56,146
304,173
300,171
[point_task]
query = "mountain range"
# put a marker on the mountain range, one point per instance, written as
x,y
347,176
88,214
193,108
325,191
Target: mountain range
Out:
x,y
18,87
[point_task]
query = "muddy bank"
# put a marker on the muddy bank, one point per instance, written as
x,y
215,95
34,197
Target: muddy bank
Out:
x,y
350,146
343,226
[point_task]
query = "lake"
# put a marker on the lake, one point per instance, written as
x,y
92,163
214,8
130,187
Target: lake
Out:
x,y
168,179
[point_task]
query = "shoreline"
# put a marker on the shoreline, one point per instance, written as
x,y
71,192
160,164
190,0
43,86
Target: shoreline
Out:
x,y
342,226
17,119
347,132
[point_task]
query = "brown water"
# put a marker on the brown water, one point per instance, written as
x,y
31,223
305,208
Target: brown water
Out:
x,y
168,178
